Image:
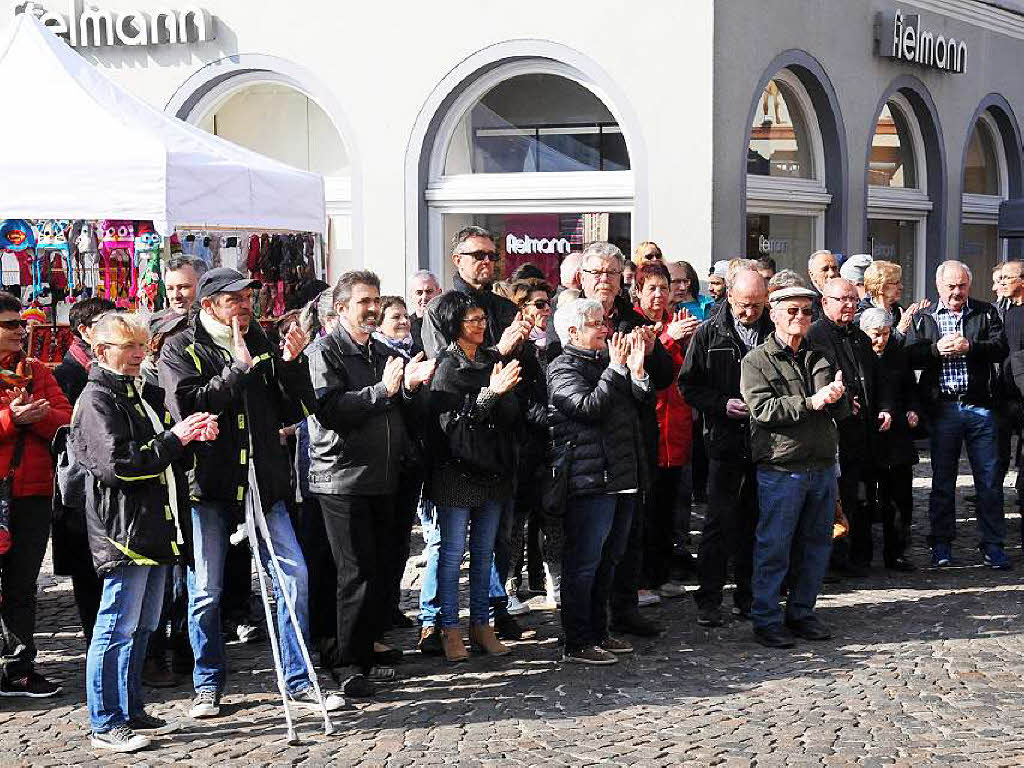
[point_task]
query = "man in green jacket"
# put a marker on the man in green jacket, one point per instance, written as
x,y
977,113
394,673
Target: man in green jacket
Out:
x,y
794,396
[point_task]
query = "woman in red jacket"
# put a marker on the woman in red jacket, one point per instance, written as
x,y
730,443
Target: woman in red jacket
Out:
x,y
32,408
675,427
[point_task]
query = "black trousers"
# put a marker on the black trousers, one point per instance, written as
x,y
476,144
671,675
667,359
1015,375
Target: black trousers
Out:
x,y
323,578
659,534
19,569
410,484
896,499
626,580
359,529
699,461
234,601
859,515
728,534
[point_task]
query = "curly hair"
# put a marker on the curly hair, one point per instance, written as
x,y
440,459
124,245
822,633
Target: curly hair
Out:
x,y
650,269
879,274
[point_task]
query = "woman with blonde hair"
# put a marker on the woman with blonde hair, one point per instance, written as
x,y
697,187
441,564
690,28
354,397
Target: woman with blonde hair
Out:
x,y
883,283
647,251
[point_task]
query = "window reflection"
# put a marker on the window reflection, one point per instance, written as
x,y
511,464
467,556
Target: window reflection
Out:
x,y
891,163
981,171
779,144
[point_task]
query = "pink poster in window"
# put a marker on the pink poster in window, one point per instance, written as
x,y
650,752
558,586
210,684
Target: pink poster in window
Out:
x,y
535,238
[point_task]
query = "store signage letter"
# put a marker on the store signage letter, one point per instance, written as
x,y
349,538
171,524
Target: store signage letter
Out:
x,y
526,244
92,27
901,37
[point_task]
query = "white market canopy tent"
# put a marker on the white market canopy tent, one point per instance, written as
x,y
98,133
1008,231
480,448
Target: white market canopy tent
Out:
x,y
91,150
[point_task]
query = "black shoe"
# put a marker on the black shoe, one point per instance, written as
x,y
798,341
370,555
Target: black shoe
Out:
x,y
710,616
148,722
636,625
400,621
774,636
810,628
901,564
430,641
507,628
741,612
358,687
33,686
389,657
156,674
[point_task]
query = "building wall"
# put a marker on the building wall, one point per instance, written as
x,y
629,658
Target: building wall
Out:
x,y
374,66
839,35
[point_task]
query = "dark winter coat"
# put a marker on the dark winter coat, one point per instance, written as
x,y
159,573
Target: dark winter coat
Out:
x,y
128,513
252,405
895,447
711,377
592,414
357,435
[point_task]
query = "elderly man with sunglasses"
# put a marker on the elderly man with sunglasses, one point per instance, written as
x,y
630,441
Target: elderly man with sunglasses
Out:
x,y
795,396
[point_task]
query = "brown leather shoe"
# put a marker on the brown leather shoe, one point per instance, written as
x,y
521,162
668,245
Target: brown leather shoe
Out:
x,y
483,638
430,641
454,647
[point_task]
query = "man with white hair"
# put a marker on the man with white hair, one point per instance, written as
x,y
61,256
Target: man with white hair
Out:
x,y
957,347
853,270
821,267
423,287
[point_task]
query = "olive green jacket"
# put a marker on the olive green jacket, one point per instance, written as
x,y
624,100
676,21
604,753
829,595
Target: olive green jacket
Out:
x,y
786,433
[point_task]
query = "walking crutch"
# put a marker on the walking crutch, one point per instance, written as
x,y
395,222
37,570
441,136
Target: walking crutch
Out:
x,y
256,522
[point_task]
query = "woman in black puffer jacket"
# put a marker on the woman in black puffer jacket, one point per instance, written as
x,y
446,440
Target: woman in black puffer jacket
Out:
x,y
595,433
135,498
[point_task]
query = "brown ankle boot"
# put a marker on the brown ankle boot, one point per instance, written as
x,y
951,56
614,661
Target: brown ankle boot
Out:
x,y
454,648
482,636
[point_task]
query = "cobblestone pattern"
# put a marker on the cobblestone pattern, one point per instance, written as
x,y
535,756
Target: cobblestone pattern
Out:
x,y
925,668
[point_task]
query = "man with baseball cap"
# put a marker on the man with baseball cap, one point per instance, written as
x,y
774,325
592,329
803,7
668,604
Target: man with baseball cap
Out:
x,y
223,363
794,395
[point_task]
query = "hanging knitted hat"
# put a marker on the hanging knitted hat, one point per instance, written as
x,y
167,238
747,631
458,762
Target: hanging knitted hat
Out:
x,y
16,235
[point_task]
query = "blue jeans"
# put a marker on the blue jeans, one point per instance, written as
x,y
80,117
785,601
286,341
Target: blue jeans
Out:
x,y
952,425
794,535
130,605
453,522
210,533
429,606
596,533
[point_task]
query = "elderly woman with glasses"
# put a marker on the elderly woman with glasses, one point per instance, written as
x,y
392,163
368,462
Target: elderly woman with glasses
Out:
x,y
893,452
474,415
593,389
883,284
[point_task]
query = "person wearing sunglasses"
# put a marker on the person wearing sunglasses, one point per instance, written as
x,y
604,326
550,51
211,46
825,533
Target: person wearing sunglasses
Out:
x,y
794,395
32,409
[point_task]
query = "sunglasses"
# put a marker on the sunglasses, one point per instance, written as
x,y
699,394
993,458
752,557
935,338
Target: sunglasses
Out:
x,y
540,303
481,255
794,311
12,324
651,256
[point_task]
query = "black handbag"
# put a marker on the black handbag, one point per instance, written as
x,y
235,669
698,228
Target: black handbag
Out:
x,y
476,446
555,493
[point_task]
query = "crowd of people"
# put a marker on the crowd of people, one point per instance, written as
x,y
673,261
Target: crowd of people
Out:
x,y
560,434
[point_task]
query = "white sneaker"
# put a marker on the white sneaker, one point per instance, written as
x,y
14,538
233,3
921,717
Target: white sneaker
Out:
x,y
646,598
307,699
670,590
205,704
517,607
120,738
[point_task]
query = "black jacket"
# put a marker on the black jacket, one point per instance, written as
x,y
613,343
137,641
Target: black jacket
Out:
x,y
128,514
983,329
711,377
592,414
456,393
849,349
357,435
71,374
499,310
895,447
252,405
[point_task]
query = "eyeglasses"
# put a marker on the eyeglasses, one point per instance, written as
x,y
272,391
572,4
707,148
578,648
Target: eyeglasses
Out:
x,y
598,274
12,324
844,299
595,324
478,320
481,255
794,311
539,303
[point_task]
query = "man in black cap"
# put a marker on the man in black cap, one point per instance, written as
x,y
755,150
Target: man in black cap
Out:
x,y
223,363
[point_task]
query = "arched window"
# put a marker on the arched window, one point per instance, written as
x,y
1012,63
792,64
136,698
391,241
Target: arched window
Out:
x,y
786,193
985,186
267,113
898,204
533,152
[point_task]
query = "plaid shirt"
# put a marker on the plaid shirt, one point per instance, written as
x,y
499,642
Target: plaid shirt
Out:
x,y
953,375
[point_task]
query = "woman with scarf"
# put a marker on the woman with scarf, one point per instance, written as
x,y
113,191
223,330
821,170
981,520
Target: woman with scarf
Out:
x,y
474,412
137,503
32,409
675,428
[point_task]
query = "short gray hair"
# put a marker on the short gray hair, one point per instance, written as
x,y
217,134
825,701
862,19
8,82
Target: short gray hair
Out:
x,y
875,317
569,268
573,314
735,267
424,274
953,263
786,278
343,288
816,254
178,263
604,251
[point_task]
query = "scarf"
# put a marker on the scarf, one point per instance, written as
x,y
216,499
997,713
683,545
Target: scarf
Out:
x,y
539,336
82,354
220,333
401,346
15,371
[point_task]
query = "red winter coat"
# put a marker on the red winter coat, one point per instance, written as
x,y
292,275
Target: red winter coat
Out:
x,y
34,475
675,417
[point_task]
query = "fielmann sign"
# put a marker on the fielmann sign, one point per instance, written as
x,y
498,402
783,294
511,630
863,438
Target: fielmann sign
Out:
x,y
901,37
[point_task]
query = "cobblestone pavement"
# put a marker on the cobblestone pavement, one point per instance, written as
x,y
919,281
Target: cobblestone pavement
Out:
x,y
926,668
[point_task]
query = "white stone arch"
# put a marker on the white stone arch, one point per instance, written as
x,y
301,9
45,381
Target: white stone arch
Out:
x,y
461,87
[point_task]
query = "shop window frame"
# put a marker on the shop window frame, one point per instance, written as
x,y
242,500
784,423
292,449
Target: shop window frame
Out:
x,y
984,209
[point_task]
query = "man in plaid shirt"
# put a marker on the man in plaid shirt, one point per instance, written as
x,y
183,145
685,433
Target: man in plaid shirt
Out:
x,y
957,348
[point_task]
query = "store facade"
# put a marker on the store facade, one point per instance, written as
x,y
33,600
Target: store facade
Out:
x,y
878,127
